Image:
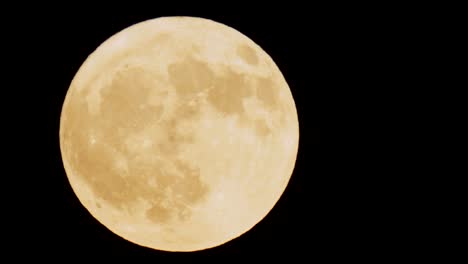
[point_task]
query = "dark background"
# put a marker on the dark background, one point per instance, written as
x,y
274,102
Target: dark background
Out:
x,y
322,51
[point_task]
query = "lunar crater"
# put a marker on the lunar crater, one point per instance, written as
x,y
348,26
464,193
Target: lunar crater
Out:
x,y
247,54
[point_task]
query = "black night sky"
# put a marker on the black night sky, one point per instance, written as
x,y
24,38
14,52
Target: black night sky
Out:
x,y
320,51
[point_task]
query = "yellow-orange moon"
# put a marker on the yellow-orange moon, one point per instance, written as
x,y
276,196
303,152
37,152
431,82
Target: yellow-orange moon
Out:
x,y
179,134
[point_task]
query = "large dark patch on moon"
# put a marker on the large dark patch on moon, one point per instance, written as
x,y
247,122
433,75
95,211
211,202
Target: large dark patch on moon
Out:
x,y
96,142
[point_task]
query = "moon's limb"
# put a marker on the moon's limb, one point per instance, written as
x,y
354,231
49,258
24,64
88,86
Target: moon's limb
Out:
x,y
179,134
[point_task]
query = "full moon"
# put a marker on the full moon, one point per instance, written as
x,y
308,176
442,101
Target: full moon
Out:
x,y
179,134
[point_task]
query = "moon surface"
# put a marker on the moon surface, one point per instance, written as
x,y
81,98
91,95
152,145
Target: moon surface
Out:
x,y
179,134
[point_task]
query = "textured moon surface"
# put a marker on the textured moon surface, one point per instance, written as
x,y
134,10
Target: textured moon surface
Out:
x,y
179,134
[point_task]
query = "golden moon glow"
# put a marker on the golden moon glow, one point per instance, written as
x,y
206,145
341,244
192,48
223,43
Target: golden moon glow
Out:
x,y
179,134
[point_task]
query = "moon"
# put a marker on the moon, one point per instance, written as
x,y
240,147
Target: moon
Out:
x,y
179,134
